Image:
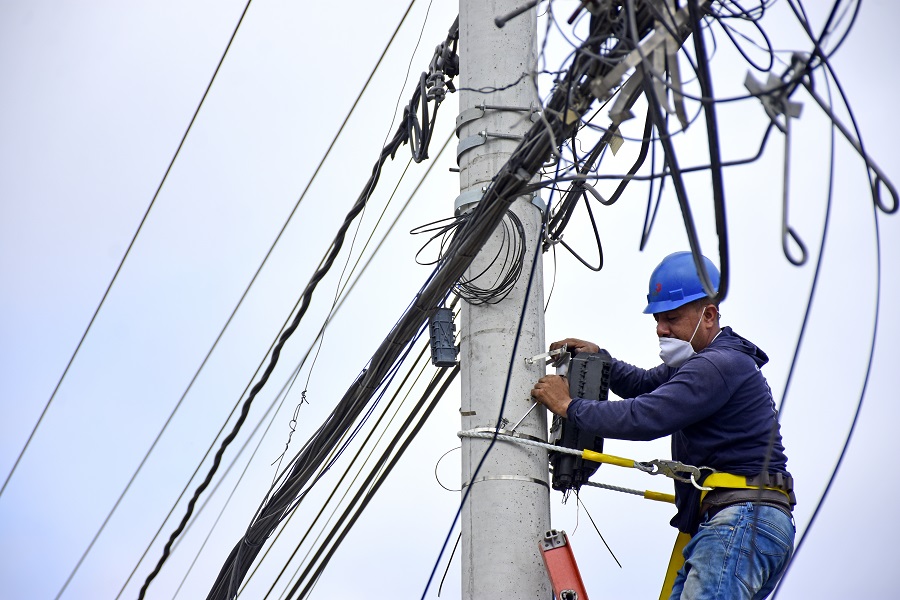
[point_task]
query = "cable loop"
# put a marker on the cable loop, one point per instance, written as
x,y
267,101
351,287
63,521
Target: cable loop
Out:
x,y
876,193
788,232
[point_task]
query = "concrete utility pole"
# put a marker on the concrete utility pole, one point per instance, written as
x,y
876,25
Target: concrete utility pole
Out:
x,y
508,508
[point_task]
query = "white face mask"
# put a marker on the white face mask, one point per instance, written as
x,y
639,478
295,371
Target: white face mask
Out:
x,y
675,352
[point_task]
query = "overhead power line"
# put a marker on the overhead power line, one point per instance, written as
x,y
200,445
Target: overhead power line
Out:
x,y
240,300
344,294
440,74
121,263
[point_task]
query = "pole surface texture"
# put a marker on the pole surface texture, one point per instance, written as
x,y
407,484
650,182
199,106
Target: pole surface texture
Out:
x,y
508,507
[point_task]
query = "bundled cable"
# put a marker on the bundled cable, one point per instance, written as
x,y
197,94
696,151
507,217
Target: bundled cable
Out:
x,y
433,87
443,67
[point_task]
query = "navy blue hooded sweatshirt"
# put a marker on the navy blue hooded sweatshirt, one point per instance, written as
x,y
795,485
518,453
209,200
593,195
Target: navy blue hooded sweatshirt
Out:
x,y
717,407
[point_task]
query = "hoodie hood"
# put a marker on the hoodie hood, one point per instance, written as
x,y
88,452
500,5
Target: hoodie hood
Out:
x,y
727,338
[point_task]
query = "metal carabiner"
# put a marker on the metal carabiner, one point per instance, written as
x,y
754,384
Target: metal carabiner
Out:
x,y
674,469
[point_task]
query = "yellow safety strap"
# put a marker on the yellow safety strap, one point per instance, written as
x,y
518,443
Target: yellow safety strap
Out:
x,y
676,561
715,480
607,459
727,480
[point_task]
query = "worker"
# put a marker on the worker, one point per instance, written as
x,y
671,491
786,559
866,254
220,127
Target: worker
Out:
x,y
711,397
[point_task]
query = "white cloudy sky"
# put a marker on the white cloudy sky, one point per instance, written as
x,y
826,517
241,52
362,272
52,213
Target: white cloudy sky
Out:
x,y
96,96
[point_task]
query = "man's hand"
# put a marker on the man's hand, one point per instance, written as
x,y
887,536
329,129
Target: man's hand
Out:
x,y
575,345
553,392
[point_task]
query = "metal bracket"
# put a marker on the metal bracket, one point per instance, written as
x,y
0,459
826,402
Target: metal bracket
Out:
x,y
480,138
477,112
508,433
620,112
530,360
470,142
774,99
468,200
509,478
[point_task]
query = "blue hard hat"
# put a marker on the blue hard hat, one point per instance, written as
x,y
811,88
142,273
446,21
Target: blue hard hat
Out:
x,y
675,282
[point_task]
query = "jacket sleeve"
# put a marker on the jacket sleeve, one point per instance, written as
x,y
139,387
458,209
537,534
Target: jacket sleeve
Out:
x,y
628,381
693,392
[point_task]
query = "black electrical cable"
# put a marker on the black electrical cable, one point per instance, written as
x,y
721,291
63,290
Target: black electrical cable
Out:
x,y
444,67
572,251
597,529
353,461
376,478
507,185
650,216
307,463
856,414
818,51
653,176
564,213
875,179
346,473
402,136
703,99
715,159
390,149
850,25
119,269
680,191
344,294
577,191
409,324
769,49
776,422
449,561
678,184
512,245
859,403
246,290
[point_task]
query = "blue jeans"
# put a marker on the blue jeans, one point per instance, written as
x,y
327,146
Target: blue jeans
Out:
x,y
727,559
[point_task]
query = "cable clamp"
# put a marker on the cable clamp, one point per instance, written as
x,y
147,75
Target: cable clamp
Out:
x,y
774,97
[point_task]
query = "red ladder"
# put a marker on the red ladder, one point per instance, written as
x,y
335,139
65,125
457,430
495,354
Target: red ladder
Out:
x,y
561,566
